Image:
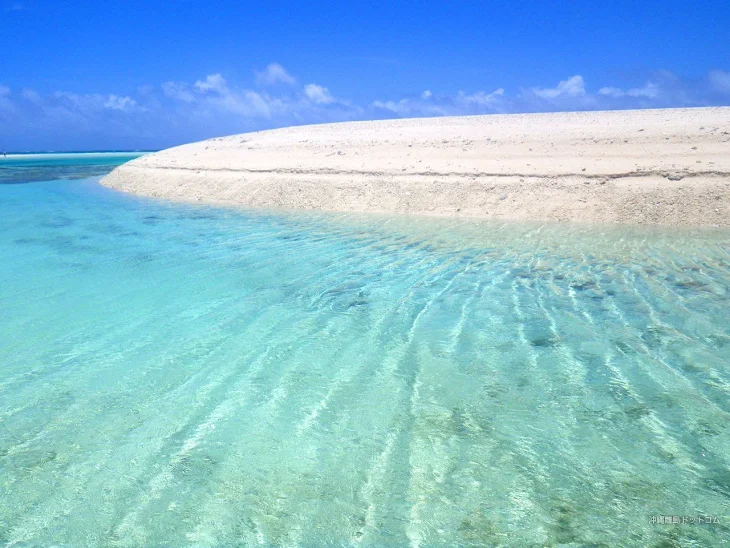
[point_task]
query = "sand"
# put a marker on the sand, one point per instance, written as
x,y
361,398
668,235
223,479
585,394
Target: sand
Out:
x,y
669,166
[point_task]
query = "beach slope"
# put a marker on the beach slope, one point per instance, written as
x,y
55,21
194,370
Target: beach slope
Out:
x,y
642,167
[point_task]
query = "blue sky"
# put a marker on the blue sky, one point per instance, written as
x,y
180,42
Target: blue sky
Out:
x,y
151,74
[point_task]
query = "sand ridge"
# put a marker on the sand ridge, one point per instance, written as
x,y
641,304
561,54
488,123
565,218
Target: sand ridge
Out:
x,y
667,166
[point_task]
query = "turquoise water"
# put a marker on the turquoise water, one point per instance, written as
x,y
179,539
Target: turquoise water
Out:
x,y
178,375
25,168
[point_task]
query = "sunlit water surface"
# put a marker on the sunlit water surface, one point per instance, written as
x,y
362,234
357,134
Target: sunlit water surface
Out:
x,y
180,375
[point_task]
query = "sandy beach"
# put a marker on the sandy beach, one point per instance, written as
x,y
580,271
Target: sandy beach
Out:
x,y
641,167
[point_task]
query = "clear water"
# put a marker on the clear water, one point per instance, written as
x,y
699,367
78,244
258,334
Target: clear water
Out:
x,y
25,168
177,375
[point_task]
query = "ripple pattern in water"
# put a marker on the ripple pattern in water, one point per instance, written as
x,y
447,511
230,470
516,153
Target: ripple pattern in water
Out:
x,y
175,375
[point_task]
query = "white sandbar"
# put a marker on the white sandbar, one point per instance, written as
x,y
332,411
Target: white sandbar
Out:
x,y
669,166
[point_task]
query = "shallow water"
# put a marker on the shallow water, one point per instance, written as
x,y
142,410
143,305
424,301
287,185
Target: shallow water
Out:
x,y
179,375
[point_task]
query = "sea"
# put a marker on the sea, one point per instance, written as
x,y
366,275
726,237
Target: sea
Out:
x,y
186,375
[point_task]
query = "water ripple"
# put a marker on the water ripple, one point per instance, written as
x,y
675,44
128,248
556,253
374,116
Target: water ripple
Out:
x,y
194,376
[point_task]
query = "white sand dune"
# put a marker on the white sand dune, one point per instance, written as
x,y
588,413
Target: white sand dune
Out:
x,y
646,166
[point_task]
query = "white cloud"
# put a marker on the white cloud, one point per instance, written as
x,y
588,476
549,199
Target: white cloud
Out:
x,y
213,82
175,112
116,102
213,94
274,74
404,107
86,103
248,104
719,81
427,104
650,90
572,87
611,92
318,94
214,97
480,98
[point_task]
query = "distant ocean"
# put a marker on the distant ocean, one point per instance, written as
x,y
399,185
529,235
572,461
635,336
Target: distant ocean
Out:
x,y
187,375
46,166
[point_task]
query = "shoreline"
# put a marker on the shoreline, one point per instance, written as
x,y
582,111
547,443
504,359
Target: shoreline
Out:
x,y
663,167
70,155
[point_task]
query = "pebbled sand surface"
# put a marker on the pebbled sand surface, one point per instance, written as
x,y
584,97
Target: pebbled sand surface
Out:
x,y
669,166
